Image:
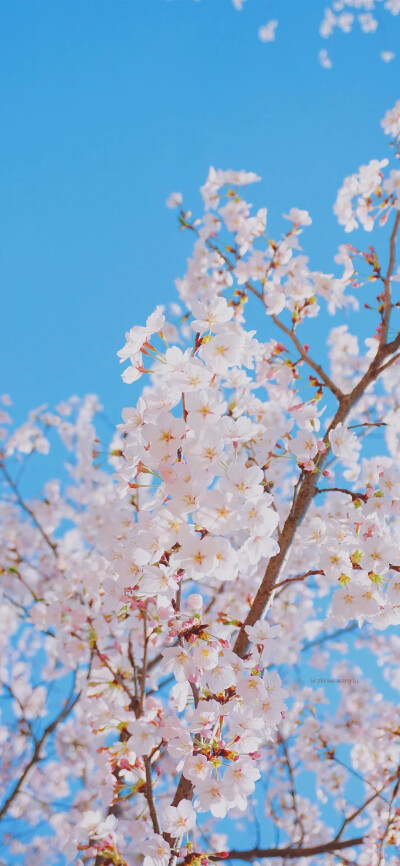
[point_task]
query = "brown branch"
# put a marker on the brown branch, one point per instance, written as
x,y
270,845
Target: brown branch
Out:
x,y
36,756
389,363
354,496
289,853
195,693
184,791
149,795
155,661
301,577
358,812
28,510
369,423
387,302
306,358
298,819
131,658
144,663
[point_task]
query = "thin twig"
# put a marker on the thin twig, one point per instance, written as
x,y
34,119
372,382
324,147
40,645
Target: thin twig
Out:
x,y
300,577
292,786
150,796
358,812
28,510
306,358
331,636
36,756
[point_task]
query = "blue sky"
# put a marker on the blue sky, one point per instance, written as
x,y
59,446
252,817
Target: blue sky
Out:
x,y
106,107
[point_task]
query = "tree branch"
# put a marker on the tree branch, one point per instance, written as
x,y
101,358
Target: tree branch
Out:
x,y
28,510
354,496
298,819
36,756
306,358
387,301
299,578
289,853
358,811
149,795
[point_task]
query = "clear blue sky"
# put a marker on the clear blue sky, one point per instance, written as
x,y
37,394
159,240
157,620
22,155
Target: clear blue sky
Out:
x,y
106,107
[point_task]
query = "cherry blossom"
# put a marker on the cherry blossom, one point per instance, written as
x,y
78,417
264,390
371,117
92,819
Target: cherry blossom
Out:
x,y
267,32
179,819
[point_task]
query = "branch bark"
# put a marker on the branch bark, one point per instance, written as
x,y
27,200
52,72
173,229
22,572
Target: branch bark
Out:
x,y
290,853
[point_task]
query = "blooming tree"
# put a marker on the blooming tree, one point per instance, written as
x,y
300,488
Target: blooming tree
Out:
x,y
159,604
